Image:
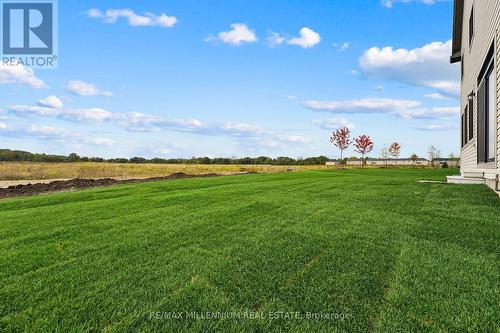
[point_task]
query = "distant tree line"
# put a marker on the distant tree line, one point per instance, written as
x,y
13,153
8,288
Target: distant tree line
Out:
x,y
7,155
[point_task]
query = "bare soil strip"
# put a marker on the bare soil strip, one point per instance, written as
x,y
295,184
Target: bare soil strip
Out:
x,y
79,184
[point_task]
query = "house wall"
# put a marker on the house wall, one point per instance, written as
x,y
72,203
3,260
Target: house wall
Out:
x,y
487,31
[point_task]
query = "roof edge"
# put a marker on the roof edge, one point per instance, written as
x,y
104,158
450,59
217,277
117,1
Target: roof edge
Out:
x,y
458,16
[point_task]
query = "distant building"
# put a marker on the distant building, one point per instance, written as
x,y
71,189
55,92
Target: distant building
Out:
x,y
391,162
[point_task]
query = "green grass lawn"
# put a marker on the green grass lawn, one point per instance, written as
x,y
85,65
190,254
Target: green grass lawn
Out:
x,y
375,249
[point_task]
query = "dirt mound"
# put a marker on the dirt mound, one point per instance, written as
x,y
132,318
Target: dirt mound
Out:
x,y
78,184
178,175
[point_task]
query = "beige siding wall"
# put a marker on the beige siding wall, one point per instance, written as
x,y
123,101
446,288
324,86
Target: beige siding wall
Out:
x,y
497,67
487,30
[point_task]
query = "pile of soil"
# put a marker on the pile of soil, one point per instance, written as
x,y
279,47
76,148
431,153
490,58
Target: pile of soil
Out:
x,y
79,184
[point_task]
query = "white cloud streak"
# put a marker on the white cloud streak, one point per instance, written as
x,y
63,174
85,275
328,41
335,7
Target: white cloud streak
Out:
x,y
390,3
50,133
141,122
82,88
90,114
51,102
342,47
408,109
135,20
437,96
18,74
332,124
447,126
275,39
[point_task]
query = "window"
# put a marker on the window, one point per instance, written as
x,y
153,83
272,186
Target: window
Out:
x,y
467,124
491,104
471,26
464,129
470,117
486,111
462,68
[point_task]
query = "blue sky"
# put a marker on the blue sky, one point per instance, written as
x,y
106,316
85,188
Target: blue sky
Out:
x,y
182,78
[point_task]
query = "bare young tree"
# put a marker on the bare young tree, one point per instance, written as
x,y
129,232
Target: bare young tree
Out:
x,y
433,153
384,154
395,150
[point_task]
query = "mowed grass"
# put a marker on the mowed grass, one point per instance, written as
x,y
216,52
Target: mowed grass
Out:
x,y
375,248
41,171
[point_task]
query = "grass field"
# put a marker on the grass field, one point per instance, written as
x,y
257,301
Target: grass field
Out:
x,y
40,171
377,250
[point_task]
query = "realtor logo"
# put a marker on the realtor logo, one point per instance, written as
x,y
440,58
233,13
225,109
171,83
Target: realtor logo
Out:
x,y
29,33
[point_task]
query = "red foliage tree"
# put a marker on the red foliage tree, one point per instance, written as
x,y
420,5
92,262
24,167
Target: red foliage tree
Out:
x,y
395,149
342,139
363,145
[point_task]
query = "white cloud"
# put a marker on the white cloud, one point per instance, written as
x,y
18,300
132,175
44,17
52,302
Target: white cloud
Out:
x,y
134,20
436,96
94,13
91,114
100,141
18,74
378,88
21,110
390,3
51,102
342,47
248,134
51,133
427,66
439,127
345,46
268,144
308,38
399,107
2,126
141,122
240,33
366,105
274,39
82,88
240,129
294,139
291,97
429,113
333,123
161,149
